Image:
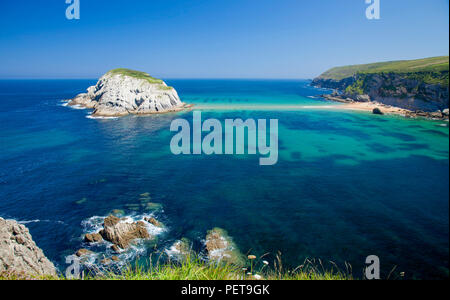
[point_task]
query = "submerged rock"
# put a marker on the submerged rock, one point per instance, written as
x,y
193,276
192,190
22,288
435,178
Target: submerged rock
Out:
x,y
19,253
115,258
154,222
150,206
121,92
220,247
122,233
180,249
118,212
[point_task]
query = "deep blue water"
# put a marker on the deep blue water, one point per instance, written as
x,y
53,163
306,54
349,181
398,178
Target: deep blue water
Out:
x,y
347,184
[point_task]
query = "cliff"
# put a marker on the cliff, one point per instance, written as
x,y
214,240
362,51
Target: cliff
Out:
x,y
121,92
414,85
19,254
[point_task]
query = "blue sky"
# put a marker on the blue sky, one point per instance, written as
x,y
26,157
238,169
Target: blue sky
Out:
x,y
214,38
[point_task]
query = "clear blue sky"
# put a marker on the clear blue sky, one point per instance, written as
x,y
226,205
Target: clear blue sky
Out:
x,y
214,38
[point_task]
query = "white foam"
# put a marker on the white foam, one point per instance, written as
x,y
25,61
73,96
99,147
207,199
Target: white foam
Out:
x,y
100,118
37,221
173,250
138,248
77,106
30,221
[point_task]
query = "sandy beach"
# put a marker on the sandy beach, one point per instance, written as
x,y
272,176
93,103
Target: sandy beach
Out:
x,y
357,106
351,106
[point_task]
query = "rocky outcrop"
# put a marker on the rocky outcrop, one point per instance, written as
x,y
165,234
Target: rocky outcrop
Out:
x,y
377,111
19,253
220,247
83,252
406,91
93,238
121,92
153,221
122,233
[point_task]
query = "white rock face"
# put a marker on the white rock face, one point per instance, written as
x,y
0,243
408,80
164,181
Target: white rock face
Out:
x,y
18,252
117,94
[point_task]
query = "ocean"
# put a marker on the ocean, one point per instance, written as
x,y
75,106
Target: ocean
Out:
x,y
346,185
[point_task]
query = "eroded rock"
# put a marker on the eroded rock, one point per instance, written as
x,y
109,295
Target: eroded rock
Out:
x,y
121,92
154,222
121,233
93,238
19,254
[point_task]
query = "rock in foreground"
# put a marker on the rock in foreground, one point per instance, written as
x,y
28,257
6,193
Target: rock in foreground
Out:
x,y
19,253
122,233
121,92
220,247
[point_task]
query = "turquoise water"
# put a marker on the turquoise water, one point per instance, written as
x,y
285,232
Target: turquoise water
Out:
x,y
346,185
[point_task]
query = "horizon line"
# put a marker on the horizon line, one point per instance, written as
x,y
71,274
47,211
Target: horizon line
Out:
x,y
165,78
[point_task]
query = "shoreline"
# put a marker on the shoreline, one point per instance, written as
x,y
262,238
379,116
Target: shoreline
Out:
x,y
349,106
68,103
386,109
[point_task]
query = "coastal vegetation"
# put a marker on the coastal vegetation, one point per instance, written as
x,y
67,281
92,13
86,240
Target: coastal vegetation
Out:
x,y
136,74
433,70
195,268
419,85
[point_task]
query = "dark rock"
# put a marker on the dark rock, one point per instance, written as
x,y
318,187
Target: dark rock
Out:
x,y
377,111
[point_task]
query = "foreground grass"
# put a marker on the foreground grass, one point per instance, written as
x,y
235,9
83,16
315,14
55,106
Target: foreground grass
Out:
x,y
197,269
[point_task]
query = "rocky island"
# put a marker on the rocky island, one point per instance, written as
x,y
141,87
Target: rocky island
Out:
x,y
410,87
121,92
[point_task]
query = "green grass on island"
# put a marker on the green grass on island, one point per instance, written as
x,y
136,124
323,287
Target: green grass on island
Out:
x,y
140,75
198,269
433,70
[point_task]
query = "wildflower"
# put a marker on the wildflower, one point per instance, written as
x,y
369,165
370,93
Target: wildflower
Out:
x,y
251,257
257,277
265,262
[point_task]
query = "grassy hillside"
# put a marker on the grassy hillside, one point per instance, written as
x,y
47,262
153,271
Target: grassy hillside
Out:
x,y
434,69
